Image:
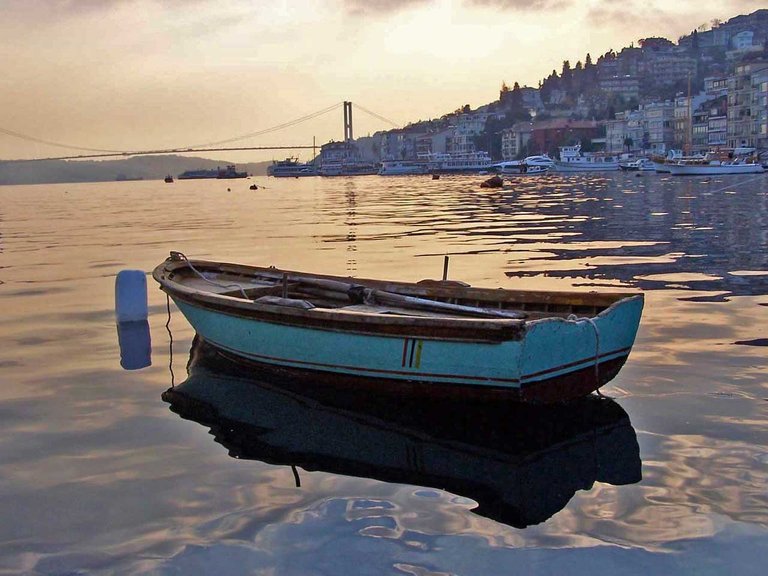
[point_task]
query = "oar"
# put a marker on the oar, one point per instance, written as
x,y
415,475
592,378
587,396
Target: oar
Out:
x,y
394,299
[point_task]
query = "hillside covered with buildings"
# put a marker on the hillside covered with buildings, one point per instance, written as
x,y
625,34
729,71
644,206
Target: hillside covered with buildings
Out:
x,y
707,89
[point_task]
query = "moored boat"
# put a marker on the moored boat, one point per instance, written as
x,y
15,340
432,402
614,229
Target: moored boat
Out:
x,y
530,166
291,168
718,162
402,168
457,163
168,179
715,168
439,337
572,159
638,165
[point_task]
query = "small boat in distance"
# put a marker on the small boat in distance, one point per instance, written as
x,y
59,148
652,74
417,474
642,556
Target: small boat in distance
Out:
x,y
435,337
168,179
638,165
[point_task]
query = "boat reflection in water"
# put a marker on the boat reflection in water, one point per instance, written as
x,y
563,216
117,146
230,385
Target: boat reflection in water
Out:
x,y
520,463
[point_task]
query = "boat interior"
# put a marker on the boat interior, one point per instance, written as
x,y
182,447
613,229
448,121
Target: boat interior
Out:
x,y
428,298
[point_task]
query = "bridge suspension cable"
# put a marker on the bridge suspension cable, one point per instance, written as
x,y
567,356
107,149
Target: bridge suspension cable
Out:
x,y
49,143
206,147
378,116
267,130
176,148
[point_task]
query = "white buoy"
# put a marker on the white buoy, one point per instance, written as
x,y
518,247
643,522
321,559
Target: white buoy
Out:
x,y
131,296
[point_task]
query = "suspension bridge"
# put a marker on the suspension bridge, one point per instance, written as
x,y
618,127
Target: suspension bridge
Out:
x,y
217,146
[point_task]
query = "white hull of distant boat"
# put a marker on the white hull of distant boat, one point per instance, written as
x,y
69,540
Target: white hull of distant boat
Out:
x,y
402,168
459,163
573,160
530,166
715,168
639,165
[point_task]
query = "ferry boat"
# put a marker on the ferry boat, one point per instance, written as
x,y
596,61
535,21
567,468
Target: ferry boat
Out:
x,y
348,169
402,168
291,168
220,173
572,159
440,163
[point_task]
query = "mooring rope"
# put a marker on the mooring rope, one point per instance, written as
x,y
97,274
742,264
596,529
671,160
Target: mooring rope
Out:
x,y
181,256
170,340
735,184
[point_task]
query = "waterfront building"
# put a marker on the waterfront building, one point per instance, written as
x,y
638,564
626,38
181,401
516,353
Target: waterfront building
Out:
x,y
468,125
433,143
717,121
626,133
684,108
744,109
660,118
760,108
401,144
337,152
514,140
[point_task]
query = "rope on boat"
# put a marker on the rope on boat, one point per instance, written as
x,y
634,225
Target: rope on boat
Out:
x,y
170,340
591,321
180,256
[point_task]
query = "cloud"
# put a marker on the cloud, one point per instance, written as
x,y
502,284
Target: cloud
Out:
x,y
381,7
522,5
361,7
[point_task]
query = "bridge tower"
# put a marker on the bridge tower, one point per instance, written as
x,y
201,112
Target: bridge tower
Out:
x,y
348,121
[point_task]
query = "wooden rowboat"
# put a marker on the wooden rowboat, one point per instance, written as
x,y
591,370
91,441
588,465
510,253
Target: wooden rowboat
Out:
x,y
436,337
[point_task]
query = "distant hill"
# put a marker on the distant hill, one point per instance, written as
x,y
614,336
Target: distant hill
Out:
x,y
135,168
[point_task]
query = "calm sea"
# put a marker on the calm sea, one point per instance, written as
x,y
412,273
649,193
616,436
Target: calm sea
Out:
x,y
104,472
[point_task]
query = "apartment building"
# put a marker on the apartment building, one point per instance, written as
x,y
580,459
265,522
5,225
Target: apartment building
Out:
x,y
745,107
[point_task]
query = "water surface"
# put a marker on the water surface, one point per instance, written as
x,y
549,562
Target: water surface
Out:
x,y
100,476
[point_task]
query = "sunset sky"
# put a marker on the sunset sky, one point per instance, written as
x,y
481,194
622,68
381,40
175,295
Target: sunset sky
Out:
x,y
149,74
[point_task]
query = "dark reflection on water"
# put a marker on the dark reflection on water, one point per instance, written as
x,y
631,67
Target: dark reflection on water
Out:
x,y
521,464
